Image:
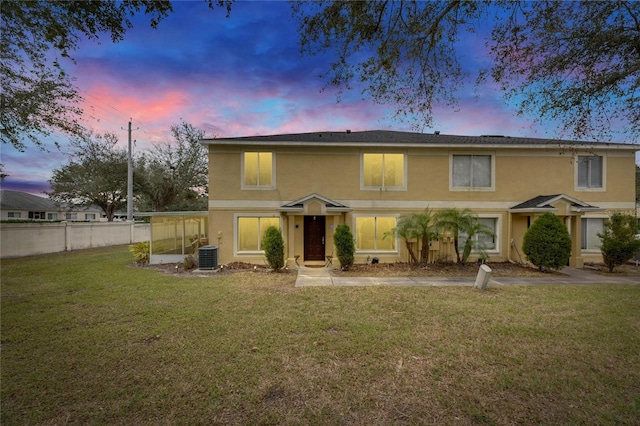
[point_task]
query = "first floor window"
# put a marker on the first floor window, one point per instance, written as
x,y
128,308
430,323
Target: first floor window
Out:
x,y
375,233
252,229
590,229
71,216
471,171
14,215
90,216
37,215
484,240
52,216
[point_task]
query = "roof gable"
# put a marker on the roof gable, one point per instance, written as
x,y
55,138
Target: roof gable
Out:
x,y
543,203
305,204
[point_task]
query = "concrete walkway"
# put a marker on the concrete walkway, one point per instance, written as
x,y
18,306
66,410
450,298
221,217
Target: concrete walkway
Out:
x,y
314,277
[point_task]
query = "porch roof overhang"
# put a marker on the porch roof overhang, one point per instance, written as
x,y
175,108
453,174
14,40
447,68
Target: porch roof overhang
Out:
x,y
546,203
297,206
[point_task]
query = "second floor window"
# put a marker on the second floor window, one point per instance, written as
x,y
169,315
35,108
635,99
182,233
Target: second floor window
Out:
x,y
471,172
257,170
590,171
383,171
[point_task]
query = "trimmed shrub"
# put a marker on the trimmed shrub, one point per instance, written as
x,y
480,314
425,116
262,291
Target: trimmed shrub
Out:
x,y
547,243
345,247
619,242
140,252
190,262
273,246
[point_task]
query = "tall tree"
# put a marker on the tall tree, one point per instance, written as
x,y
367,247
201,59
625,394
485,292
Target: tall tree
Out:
x,y
96,175
637,184
577,63
38,96
174,176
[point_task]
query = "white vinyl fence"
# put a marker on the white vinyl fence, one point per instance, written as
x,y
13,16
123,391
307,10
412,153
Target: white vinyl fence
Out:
x,y
27,239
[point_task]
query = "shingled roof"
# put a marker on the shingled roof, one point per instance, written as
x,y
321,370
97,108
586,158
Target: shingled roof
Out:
x,y
395,138
17,200
543,203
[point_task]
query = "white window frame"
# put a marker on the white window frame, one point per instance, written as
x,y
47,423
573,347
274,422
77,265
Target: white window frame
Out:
x,y
243,186
604,174
374,251
583,239
14,215
52,216
383,188
89,216
498,218
491,188
236,234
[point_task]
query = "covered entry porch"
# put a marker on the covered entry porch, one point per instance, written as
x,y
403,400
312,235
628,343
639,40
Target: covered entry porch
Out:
x,y
569,209
310,222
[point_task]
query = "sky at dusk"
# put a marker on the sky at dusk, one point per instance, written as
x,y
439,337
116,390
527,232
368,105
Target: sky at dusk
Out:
x,y
237,76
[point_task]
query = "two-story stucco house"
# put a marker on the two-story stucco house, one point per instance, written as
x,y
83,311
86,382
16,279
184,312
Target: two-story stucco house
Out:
x,y
307,184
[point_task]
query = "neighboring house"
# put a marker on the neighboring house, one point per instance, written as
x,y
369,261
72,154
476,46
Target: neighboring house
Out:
x,y
22,205
307,184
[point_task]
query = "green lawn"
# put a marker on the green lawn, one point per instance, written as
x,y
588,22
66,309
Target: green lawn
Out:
x,y
86,339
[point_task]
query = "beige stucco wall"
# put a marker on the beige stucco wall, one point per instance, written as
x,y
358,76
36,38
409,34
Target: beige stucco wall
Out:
x,y
28,239
520,174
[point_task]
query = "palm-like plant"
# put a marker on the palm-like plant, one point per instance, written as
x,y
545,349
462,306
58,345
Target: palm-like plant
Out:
x,y
475,227
419,227
461,222
425,230
404,229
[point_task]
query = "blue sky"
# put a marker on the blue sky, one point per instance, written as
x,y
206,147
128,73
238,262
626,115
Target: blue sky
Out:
x,y
236,76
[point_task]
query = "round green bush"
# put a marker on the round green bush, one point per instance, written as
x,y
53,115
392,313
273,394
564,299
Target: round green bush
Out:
x,y
547,243
345,247
273,246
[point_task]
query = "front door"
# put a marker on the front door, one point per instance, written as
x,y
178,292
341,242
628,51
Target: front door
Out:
x,y
314,238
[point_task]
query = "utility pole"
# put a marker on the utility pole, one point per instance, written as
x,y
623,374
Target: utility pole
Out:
x,y
130,178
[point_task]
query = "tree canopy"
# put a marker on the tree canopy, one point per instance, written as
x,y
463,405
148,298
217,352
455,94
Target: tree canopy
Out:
x,y
96,175
38,96
174,176
575,63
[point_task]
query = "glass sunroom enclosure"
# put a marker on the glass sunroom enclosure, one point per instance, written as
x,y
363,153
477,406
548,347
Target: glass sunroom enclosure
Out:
x,y
175,235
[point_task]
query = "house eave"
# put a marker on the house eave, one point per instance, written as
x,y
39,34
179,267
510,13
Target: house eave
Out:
x,y
364,144
534,210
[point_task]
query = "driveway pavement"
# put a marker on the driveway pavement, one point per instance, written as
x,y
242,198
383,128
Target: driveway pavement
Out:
x,y
314,277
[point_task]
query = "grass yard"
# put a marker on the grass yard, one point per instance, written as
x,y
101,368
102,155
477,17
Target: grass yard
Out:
x,y
86,339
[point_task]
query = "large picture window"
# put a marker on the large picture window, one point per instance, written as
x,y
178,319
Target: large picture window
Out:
x,y
383,171
371,232
590,229
251,230
471,172
258,170
590,171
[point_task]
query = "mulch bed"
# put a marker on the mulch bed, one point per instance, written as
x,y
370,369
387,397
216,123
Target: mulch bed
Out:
x,y
445,269
400,269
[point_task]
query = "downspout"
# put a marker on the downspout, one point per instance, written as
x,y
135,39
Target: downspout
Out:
x,y
509,235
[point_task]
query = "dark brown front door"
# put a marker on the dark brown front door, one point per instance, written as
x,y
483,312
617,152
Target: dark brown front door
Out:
x,y
314,238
